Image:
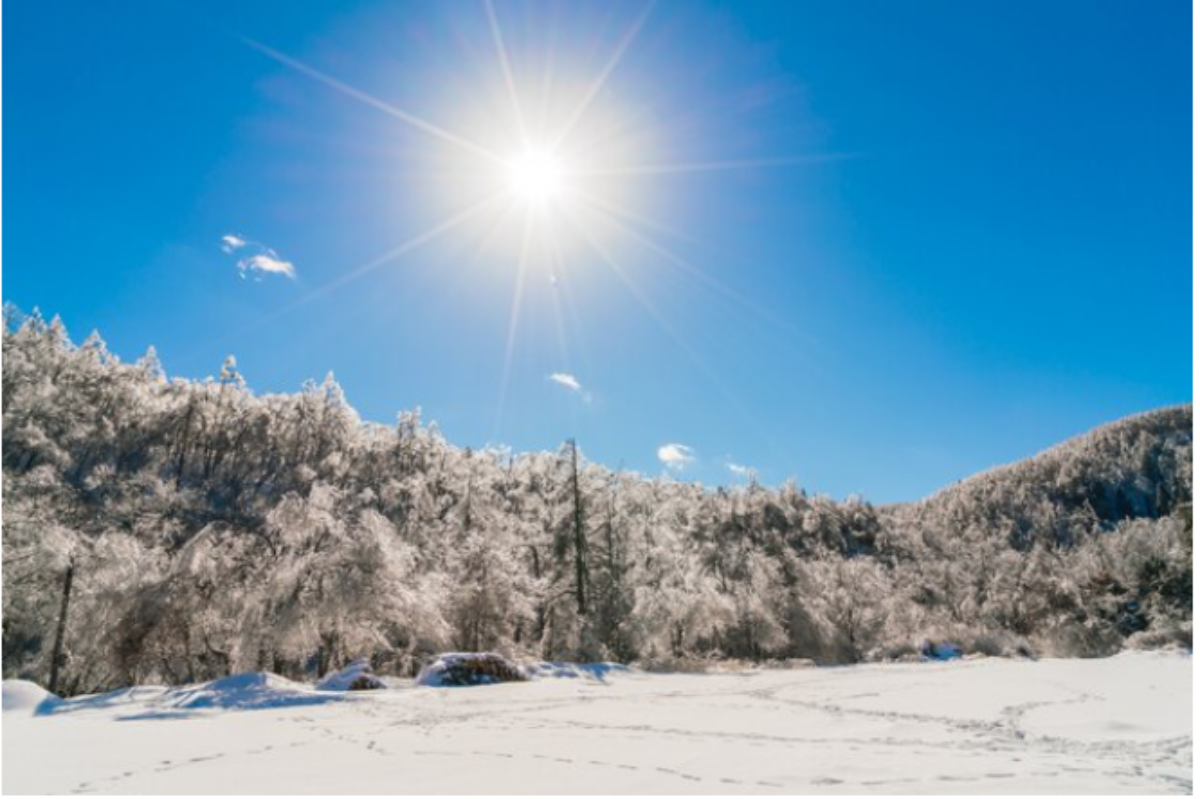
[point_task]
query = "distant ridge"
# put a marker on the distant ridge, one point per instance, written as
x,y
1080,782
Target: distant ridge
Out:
x,y
1169,419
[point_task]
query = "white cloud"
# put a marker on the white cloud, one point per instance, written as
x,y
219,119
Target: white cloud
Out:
x,y
676,456
262,261
745,472
266,264
567,381
231,242
571,383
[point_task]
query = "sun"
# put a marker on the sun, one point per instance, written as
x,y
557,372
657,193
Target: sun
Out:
x,y
536,176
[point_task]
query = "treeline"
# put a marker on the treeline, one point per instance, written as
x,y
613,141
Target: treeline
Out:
x,y
174,530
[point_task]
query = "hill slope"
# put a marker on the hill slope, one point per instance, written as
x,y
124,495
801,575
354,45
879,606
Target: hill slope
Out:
x,y
1138,467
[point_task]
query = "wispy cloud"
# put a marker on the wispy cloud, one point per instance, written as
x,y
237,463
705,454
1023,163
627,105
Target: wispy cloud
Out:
x,y
571,383
567,381
266,264
744,472
260,261
231,242
676,456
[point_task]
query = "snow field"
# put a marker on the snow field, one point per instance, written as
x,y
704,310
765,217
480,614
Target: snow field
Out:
x,y
1116,725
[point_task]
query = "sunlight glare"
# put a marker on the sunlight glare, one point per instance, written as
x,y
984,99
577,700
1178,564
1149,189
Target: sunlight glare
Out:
x,y
536,176
551,171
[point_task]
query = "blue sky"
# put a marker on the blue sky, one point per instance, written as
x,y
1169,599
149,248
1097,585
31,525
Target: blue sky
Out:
x,y
942,235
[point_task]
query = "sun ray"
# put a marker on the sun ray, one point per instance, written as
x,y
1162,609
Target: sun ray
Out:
x,y
545,93
573,345
617,216
412,244
631,216
514,318
506,68
555,263
676,337
640,296
375,263
370,100
483,241
784,333
602,78
712,166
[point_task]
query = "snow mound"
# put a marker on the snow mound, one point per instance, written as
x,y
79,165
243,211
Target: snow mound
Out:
x,y
470,668
253,690
123,699
358,676
258,690
22,696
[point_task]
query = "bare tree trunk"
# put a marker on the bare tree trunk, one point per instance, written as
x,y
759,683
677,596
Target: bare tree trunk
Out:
x,y
539,625
580,536
56,656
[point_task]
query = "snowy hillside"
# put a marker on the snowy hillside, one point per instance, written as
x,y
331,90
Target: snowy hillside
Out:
x,y
194,529
1116,725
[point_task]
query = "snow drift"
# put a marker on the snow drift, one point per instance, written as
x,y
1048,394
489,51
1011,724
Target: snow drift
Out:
x,y
22,696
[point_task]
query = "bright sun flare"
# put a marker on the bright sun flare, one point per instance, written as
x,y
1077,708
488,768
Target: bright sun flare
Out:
x,y
563,158
536,176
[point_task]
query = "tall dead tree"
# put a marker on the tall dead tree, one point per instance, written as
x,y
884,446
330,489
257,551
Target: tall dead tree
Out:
x,y
579,533
56,657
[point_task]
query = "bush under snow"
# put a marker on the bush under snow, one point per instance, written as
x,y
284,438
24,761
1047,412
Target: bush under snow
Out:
x,y
358,676
470,668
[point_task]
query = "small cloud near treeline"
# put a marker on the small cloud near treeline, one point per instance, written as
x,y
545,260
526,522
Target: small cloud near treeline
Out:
x,y
256,260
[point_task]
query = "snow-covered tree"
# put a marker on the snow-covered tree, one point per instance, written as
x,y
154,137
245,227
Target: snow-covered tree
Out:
x,y
159,529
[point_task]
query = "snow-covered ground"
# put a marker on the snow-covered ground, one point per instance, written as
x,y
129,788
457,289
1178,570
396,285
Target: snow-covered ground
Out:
x,y
1116,725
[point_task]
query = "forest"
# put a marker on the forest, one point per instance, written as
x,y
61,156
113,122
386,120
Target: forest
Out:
x,y
172,530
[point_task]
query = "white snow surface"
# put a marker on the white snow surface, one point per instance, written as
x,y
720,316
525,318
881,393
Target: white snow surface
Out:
x,y
1115,725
